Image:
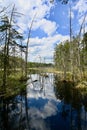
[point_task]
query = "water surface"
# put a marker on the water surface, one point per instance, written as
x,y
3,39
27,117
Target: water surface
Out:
x,y
47,104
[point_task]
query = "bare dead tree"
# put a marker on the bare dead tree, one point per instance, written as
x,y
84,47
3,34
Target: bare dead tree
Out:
x,y
27,45
79,40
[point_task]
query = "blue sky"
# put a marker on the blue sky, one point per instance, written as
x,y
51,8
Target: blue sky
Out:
x,y
50,26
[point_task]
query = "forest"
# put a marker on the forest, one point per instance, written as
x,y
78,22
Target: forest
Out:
x,y
71,57
54,94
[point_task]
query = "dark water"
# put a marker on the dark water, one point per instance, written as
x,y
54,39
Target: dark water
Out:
x,y
47,104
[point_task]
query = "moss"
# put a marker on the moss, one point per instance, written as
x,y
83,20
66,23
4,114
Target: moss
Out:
x,y
82,86
13,86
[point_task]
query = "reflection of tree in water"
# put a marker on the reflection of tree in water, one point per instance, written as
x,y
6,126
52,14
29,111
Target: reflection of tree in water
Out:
x,y
85,102
14,115
67,91
63,90
69,94
4,115
16,110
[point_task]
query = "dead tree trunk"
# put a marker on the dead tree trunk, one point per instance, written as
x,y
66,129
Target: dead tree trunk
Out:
x,y
28,39
79,39
9,36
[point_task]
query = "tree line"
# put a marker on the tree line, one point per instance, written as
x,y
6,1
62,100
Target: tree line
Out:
x,y
71,56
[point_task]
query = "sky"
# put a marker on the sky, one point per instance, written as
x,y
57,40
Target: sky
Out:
x,y
50,24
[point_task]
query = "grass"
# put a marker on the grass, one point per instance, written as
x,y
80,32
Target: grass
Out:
x,y
15,85
82,86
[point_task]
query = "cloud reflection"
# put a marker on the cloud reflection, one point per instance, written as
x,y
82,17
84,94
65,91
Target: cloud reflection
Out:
x,y
41,106
43,87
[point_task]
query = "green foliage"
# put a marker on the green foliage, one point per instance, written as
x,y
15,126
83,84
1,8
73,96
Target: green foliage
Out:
x,y
62,56
36,64
72,56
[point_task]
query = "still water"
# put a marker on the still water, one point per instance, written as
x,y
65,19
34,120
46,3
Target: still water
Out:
x,y
47,104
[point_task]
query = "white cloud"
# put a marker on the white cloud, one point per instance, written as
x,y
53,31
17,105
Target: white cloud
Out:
x,y
47,26
83,19
72,15
29,8
81,6
44,47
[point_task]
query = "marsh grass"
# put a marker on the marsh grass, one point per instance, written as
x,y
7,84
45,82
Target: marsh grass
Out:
x,y
13,86
16,82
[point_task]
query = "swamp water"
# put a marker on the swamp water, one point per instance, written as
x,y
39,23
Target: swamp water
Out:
x,y
47,104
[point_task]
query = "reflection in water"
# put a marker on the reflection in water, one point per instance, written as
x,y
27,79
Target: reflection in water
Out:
x,y
47,104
